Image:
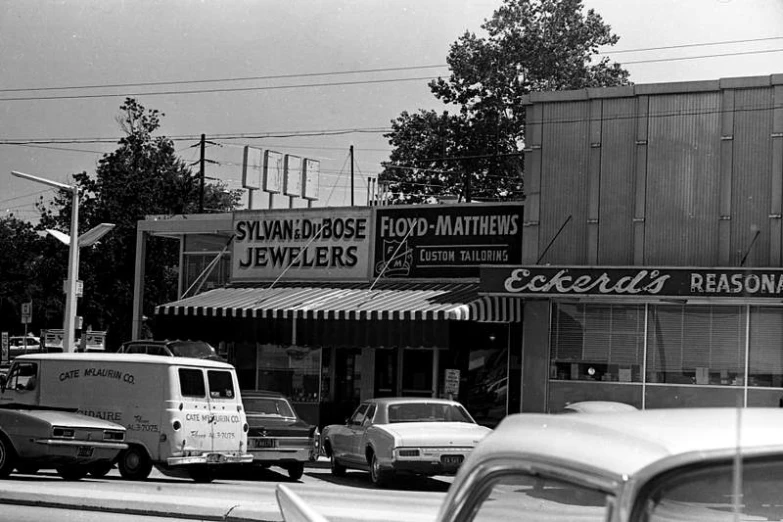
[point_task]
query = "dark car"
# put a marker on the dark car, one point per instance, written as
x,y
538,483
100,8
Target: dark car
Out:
x,y
277,436
178,348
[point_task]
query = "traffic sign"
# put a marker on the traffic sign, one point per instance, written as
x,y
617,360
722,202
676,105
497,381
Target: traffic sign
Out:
x,y
27,312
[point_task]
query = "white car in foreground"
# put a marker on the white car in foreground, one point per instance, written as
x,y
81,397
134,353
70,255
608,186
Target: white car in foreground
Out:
x,y
403,435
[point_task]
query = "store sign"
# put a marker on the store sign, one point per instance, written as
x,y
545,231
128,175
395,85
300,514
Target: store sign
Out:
x,y
633,281
304,244
445,241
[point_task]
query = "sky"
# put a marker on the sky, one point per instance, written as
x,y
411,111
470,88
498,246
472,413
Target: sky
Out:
x,y
307,78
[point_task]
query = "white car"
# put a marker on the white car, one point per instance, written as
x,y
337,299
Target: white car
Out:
x,y
403,435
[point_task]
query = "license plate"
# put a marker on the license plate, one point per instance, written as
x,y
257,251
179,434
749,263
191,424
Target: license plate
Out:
x,y
452,459
266,443
85,451
212,458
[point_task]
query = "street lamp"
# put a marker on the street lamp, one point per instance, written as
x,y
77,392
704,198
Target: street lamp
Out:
x,y
74,242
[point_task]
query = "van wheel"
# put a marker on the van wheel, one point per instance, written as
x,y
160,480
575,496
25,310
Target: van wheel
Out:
x,y
101,469
295,471
135,464
72,472
7,457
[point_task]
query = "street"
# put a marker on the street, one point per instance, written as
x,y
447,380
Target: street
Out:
x,y
349,498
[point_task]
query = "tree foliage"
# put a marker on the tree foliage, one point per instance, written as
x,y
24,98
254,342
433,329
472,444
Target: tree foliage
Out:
x,y
142,177
20,255
531,45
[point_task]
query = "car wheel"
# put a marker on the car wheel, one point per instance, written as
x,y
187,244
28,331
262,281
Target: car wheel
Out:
x,y
295,471
72,472
378,476
26,469
101,469
338,470
7,457
135,464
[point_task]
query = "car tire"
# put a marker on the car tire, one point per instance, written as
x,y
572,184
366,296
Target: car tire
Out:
x,y
101,469
338,470
295,471
7,457
378,476
134,463
72,473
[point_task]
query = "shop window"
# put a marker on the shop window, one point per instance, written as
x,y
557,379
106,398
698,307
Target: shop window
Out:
x,y
765,360
291,370
597,342
703,345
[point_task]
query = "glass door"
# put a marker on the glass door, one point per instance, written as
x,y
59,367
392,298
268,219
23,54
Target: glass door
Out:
x,y
417,372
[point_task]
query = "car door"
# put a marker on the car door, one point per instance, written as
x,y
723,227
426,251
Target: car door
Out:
x,y
359,440
342,441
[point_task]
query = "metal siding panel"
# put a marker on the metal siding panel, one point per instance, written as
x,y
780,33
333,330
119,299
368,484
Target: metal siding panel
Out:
x,y
750,187
683,196
618,183
564,182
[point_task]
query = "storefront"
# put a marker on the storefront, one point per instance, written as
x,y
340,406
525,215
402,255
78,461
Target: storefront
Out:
x,y
333,306
653,337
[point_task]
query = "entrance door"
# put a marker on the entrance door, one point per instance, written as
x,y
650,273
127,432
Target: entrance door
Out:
x,y
418,379
386,372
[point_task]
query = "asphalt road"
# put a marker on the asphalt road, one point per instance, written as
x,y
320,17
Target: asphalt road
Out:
x,y
231,498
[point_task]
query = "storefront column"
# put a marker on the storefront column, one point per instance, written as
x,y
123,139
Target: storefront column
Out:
x,y
535,354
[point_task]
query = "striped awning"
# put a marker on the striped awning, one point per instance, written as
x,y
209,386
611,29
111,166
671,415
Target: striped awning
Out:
x,y
422,301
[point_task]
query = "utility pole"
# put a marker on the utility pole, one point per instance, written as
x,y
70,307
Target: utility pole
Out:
x,y
351,175
202,174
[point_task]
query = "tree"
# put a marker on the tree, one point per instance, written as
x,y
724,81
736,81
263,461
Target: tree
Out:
x,y
531,45
142,177
20,257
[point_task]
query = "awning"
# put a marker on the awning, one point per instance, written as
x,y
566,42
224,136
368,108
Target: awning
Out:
x,y
394,301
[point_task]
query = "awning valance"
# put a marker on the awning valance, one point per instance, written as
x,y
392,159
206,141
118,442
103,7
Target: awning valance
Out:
x,y
395,301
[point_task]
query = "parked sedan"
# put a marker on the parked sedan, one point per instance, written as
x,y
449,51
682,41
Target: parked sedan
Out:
x,y
34,438
410,435
277,436
688,464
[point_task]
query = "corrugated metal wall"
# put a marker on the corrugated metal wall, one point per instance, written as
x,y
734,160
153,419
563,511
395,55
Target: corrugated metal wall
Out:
x,y
564,163
683,155
687,174
750,182
618,184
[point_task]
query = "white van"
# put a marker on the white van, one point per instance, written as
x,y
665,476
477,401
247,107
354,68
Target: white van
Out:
x,y
182,415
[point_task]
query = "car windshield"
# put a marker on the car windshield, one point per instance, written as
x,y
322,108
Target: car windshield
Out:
x,y
268,406
708,493
427,412
198,349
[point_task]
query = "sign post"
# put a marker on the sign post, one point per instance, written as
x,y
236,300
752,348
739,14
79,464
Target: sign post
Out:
x,y
27,318
4,349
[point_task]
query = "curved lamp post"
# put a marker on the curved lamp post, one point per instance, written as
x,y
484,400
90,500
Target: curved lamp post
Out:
x,y
74,242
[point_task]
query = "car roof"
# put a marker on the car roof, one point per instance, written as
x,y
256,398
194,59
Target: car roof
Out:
x,y
265,394
109,358
408,400
623,443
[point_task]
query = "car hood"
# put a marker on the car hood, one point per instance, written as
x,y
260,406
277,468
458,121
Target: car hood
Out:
x,y
66,418
277,426
440,433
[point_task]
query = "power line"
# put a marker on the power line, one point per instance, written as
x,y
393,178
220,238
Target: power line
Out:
x,y
721,55
208,91
685,46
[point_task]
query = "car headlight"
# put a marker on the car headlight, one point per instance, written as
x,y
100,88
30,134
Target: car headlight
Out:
x,y
65,433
